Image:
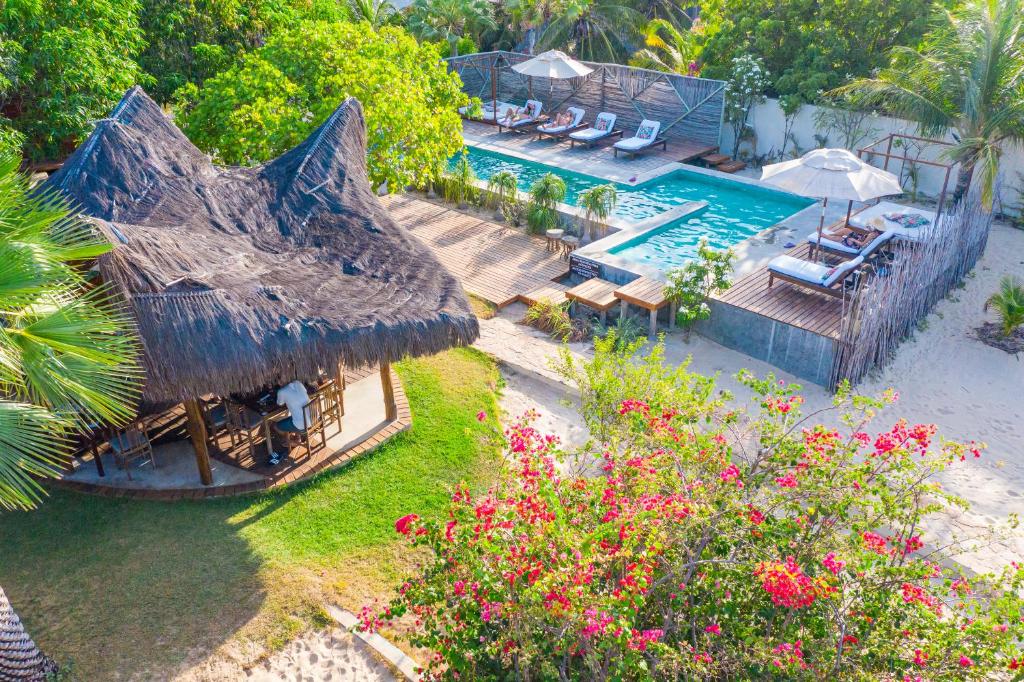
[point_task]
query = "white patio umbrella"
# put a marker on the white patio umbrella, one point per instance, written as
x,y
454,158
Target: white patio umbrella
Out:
x,y
552,64
831,174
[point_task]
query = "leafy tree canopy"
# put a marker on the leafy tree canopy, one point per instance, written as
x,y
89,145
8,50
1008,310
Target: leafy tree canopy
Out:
x,y
65,64
279,93
191,40
810,47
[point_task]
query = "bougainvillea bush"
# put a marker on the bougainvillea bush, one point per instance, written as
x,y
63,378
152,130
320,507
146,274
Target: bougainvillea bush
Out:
x,y
698,543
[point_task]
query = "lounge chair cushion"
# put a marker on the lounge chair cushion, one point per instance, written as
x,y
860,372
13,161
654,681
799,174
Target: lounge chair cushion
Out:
x,y
813,273
650,131
577,117
533,109
839,247
871,216
603,127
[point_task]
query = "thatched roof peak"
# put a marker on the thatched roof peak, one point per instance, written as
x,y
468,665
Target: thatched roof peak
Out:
x,y
243,277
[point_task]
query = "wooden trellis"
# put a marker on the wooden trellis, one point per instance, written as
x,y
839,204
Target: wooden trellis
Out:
x,y
690,109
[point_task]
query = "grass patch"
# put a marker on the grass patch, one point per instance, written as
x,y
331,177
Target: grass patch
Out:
x,y
123,588
484,310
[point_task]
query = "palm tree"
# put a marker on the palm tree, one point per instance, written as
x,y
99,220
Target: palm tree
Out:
x,y
668,48
545,194
67,360
598,202
1008,303
967,79
504,186
594,30
450,20
375,12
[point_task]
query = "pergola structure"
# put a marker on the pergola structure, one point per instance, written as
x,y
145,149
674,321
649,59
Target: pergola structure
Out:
x,y
242,278
690,109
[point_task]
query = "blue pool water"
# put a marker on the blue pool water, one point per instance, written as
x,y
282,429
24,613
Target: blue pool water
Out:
x,y
735,210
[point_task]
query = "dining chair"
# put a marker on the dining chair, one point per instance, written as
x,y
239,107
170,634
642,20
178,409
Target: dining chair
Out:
x,y
314,414
129,445
243,425
215,414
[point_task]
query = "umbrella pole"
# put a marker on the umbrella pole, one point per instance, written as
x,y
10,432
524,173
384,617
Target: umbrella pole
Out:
x,y
821,225
849,210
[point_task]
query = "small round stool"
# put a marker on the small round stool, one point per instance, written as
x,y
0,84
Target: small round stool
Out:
x,y
554,237
569,244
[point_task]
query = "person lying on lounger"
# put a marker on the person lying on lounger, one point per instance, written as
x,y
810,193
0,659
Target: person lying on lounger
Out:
x,y
852,238
562,120
516,114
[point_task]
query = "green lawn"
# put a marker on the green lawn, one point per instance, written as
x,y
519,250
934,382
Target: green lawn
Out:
x,y
139,588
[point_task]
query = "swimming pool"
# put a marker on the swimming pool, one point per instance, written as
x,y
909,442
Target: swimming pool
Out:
x,y
735,210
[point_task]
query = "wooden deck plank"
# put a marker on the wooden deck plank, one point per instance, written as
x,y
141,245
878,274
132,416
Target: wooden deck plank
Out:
x,y
494,262
553,292
595,293
644,292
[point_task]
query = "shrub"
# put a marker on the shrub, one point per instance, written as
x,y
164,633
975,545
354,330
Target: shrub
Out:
x,y
1008,303
554,319
690,286
695,556
545,195
626,331
503,190
460,182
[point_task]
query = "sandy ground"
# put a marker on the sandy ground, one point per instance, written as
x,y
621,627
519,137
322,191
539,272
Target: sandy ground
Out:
x,y
331,656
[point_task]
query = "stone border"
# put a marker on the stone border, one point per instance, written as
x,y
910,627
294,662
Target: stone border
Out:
x,y
385,649
306,470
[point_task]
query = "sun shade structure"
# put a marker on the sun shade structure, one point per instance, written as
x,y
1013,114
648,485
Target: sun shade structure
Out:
x,y
552,64
831,174
241,278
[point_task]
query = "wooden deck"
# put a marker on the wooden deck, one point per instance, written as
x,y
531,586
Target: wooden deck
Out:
x,y
493,261
595,293
785,302
552,292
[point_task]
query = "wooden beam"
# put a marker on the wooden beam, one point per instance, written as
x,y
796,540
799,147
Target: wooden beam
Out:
x,y
196,426
390,408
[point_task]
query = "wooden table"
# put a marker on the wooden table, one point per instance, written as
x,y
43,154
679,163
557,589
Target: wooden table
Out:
x,y
649,294
595,293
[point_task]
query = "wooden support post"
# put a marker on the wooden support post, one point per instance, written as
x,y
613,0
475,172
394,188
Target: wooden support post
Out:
x,y
390,408
625,309
196,426
654,323
672,315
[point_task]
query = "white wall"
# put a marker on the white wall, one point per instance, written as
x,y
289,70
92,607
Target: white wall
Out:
x,y
769,125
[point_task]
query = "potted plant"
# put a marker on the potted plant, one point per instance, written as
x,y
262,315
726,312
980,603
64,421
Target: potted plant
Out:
x,y
503,187
545,195
597,203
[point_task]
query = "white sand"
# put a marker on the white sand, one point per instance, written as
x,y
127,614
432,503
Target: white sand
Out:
x,y
334,656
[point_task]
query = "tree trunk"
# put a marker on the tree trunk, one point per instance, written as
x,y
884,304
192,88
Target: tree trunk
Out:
x,y
963,182
20,659
453,46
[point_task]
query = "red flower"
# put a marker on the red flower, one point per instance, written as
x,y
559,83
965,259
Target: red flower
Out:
x,y
481,416
714,629
965,662
402,524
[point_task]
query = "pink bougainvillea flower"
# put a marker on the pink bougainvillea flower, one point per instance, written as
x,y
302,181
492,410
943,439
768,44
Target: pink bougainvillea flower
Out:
x,y
920,658
787,481
965,662
874,542
403,524
481,416
714,629
832,564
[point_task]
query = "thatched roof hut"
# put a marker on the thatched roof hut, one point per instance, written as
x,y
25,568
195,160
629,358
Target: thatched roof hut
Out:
x,y
246,277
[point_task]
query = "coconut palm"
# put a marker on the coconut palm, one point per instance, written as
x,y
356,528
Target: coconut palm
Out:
x,y
67,360
450,20
545,194
668,48
597,203
504,186
1008,303
375,12
967,79
594,30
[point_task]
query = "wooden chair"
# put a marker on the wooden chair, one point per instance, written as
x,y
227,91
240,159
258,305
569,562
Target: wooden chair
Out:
x,y
131,444
314,413
215,414
244,426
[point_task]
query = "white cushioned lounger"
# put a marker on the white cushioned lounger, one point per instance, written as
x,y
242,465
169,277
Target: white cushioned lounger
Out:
x,y
577,118
592,133
813,273
863,219
634,143
537,107
839,247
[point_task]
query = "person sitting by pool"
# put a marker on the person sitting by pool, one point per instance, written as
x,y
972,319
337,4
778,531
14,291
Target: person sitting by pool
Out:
x,y
295,396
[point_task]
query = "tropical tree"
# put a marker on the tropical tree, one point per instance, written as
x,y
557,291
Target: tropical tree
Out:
x,y
278,94
67,360
545,194
667,48
450,20
375,12
65,64
594,30
1008,303
597,203
967,79
504,187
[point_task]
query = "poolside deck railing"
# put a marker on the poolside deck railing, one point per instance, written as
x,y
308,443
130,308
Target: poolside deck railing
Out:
x,y
690,109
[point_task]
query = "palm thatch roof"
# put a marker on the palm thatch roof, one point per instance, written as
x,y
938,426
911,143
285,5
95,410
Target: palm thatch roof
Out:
x,y
246,277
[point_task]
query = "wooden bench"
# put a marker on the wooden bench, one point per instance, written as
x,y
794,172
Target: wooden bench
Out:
x,y
714,159
731,166
552,292
595,293
649,294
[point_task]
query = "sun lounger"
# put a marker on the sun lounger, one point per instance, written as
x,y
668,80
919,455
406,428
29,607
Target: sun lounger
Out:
x,y
888,216
555,132
646,138
533,109
836,246
603,129
492,111
820,278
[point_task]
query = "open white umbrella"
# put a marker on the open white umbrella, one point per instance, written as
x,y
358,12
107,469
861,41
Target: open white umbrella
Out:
x,y
552,64
831,174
